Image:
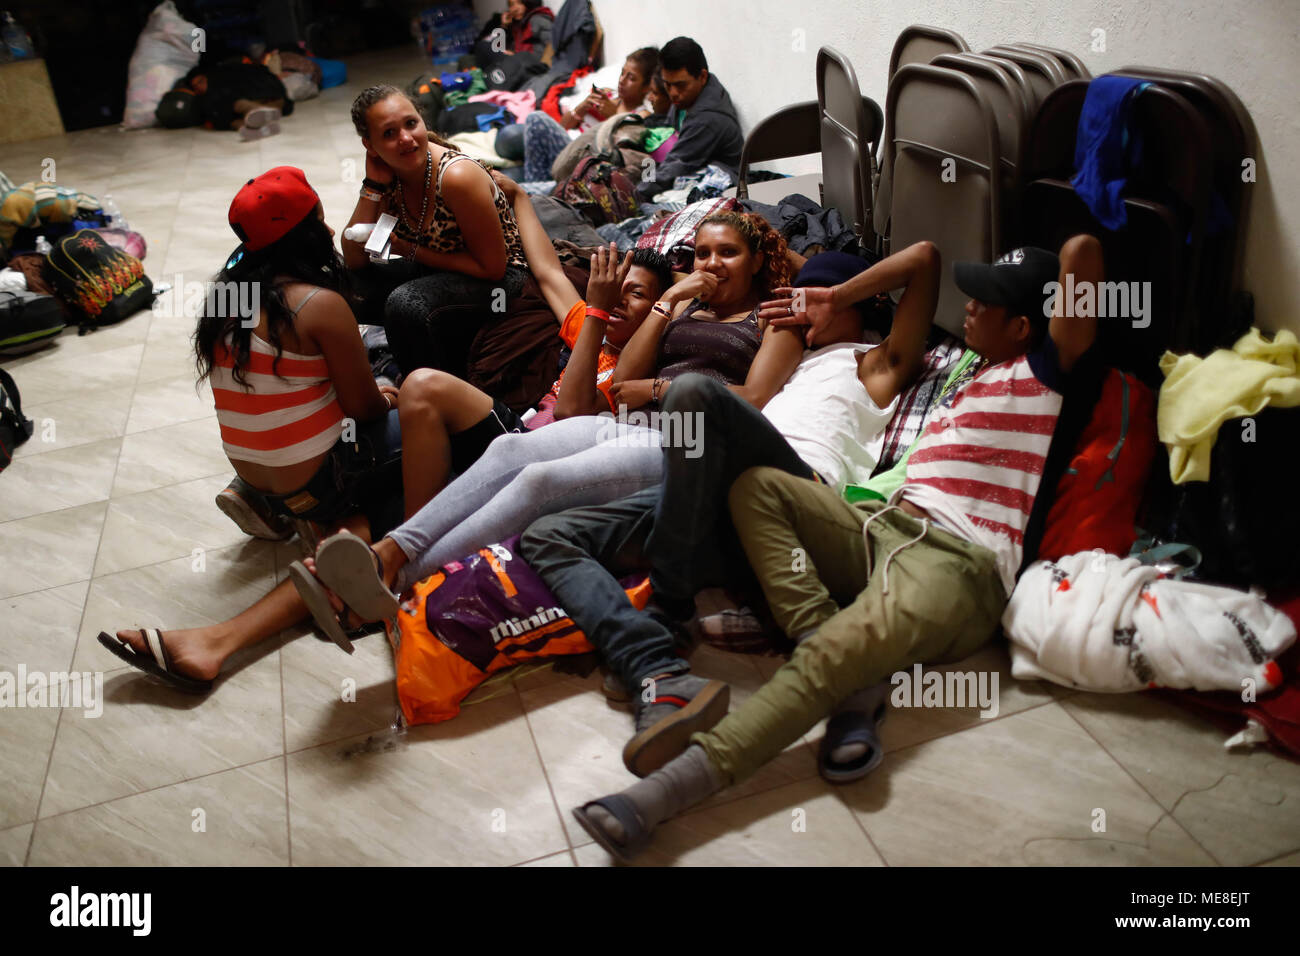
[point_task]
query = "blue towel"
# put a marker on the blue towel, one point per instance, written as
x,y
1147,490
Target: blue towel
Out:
x,y
487,120
1103,146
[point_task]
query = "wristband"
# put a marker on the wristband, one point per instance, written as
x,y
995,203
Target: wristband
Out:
x,y
371,195
373,184
598,313
662,309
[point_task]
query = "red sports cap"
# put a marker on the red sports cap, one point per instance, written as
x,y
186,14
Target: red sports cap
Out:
x,y
269,206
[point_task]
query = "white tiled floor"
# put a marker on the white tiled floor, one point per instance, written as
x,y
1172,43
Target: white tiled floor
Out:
x,y
98,530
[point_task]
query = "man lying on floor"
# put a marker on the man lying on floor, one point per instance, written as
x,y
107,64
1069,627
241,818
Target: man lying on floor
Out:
x,y
922,578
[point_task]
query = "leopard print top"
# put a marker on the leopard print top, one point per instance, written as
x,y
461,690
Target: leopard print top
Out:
x,y
443,233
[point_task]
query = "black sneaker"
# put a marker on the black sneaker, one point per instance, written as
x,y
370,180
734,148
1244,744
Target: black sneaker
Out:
x,y
682,705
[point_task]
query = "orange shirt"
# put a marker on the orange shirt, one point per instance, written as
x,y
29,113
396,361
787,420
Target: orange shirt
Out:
x,y
570,328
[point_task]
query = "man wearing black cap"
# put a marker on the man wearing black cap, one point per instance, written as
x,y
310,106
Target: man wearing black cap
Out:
x,y
826,423
883,585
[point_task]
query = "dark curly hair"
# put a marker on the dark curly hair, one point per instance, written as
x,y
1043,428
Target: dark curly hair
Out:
x,y
305,253
760,237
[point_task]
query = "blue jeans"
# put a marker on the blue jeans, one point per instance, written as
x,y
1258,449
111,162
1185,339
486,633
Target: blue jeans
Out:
x,y
693,544
580,554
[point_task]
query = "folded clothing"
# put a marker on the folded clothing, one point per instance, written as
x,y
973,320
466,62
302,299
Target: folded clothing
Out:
x,y
1200,394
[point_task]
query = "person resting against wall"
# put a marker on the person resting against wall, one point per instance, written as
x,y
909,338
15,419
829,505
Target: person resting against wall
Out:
x,y
702,116
539,139
456,234
923,578
302,420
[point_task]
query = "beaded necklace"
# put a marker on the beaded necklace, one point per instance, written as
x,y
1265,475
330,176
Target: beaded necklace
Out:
x,y
424,202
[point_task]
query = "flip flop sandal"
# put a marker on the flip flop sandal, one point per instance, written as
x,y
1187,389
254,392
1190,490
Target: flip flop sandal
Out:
x,y
157,662
317,600
671,735
350,568
635,835
852,727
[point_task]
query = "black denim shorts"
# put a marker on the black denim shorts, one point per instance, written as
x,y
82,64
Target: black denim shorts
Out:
x,y
363,476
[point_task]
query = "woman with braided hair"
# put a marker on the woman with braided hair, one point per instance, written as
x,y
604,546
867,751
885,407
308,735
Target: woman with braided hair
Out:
x,y
456,233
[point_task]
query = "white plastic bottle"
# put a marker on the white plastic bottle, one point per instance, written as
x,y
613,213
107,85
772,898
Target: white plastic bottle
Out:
x,y
114,215
43,246
16,38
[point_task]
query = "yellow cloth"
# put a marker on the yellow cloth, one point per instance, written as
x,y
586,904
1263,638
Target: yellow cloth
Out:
x,y
1200,394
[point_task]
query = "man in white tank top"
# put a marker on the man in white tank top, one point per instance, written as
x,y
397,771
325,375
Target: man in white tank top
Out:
x,y
827,422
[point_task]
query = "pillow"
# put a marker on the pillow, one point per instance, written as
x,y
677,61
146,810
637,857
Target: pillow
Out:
x,y
674,236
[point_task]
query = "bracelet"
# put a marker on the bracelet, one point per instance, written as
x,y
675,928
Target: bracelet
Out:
x,y
662,309
373,184
598,313
388,400
367,193
655,388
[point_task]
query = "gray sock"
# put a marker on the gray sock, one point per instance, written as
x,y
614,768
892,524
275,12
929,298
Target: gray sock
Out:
x,y
866,701
675,787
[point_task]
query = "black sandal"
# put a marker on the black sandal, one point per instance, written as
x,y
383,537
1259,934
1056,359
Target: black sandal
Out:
x,y
157,663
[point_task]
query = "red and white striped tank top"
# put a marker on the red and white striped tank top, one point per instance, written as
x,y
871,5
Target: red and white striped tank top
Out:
x,y
978,463
283,416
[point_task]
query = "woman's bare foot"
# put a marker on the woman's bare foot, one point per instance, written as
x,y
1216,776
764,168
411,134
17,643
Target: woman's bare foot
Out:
x,y
393,559
194,653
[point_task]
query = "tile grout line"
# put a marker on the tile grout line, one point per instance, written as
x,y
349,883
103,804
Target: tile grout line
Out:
x,y
45,779
284,719
113,574
1163,811
555,802
55,511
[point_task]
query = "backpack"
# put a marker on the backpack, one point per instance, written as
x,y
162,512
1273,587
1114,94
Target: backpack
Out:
x,y
427,94
602,191
474,617
101,284
28,321
14,428
1098,496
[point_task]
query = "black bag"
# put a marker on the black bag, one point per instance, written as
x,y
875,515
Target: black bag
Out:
x,y
28,320
1242,520
427,94
14,428
464,118
100,284
511,72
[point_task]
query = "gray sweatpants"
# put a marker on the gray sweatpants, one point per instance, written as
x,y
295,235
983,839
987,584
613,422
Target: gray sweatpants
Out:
x,y
574,462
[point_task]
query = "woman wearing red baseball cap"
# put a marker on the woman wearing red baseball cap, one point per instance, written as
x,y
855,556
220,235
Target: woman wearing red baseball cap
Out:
x,y
302,419
456,233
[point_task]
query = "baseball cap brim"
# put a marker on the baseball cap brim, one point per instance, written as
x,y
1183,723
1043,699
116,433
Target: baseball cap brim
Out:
x,y
981,282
